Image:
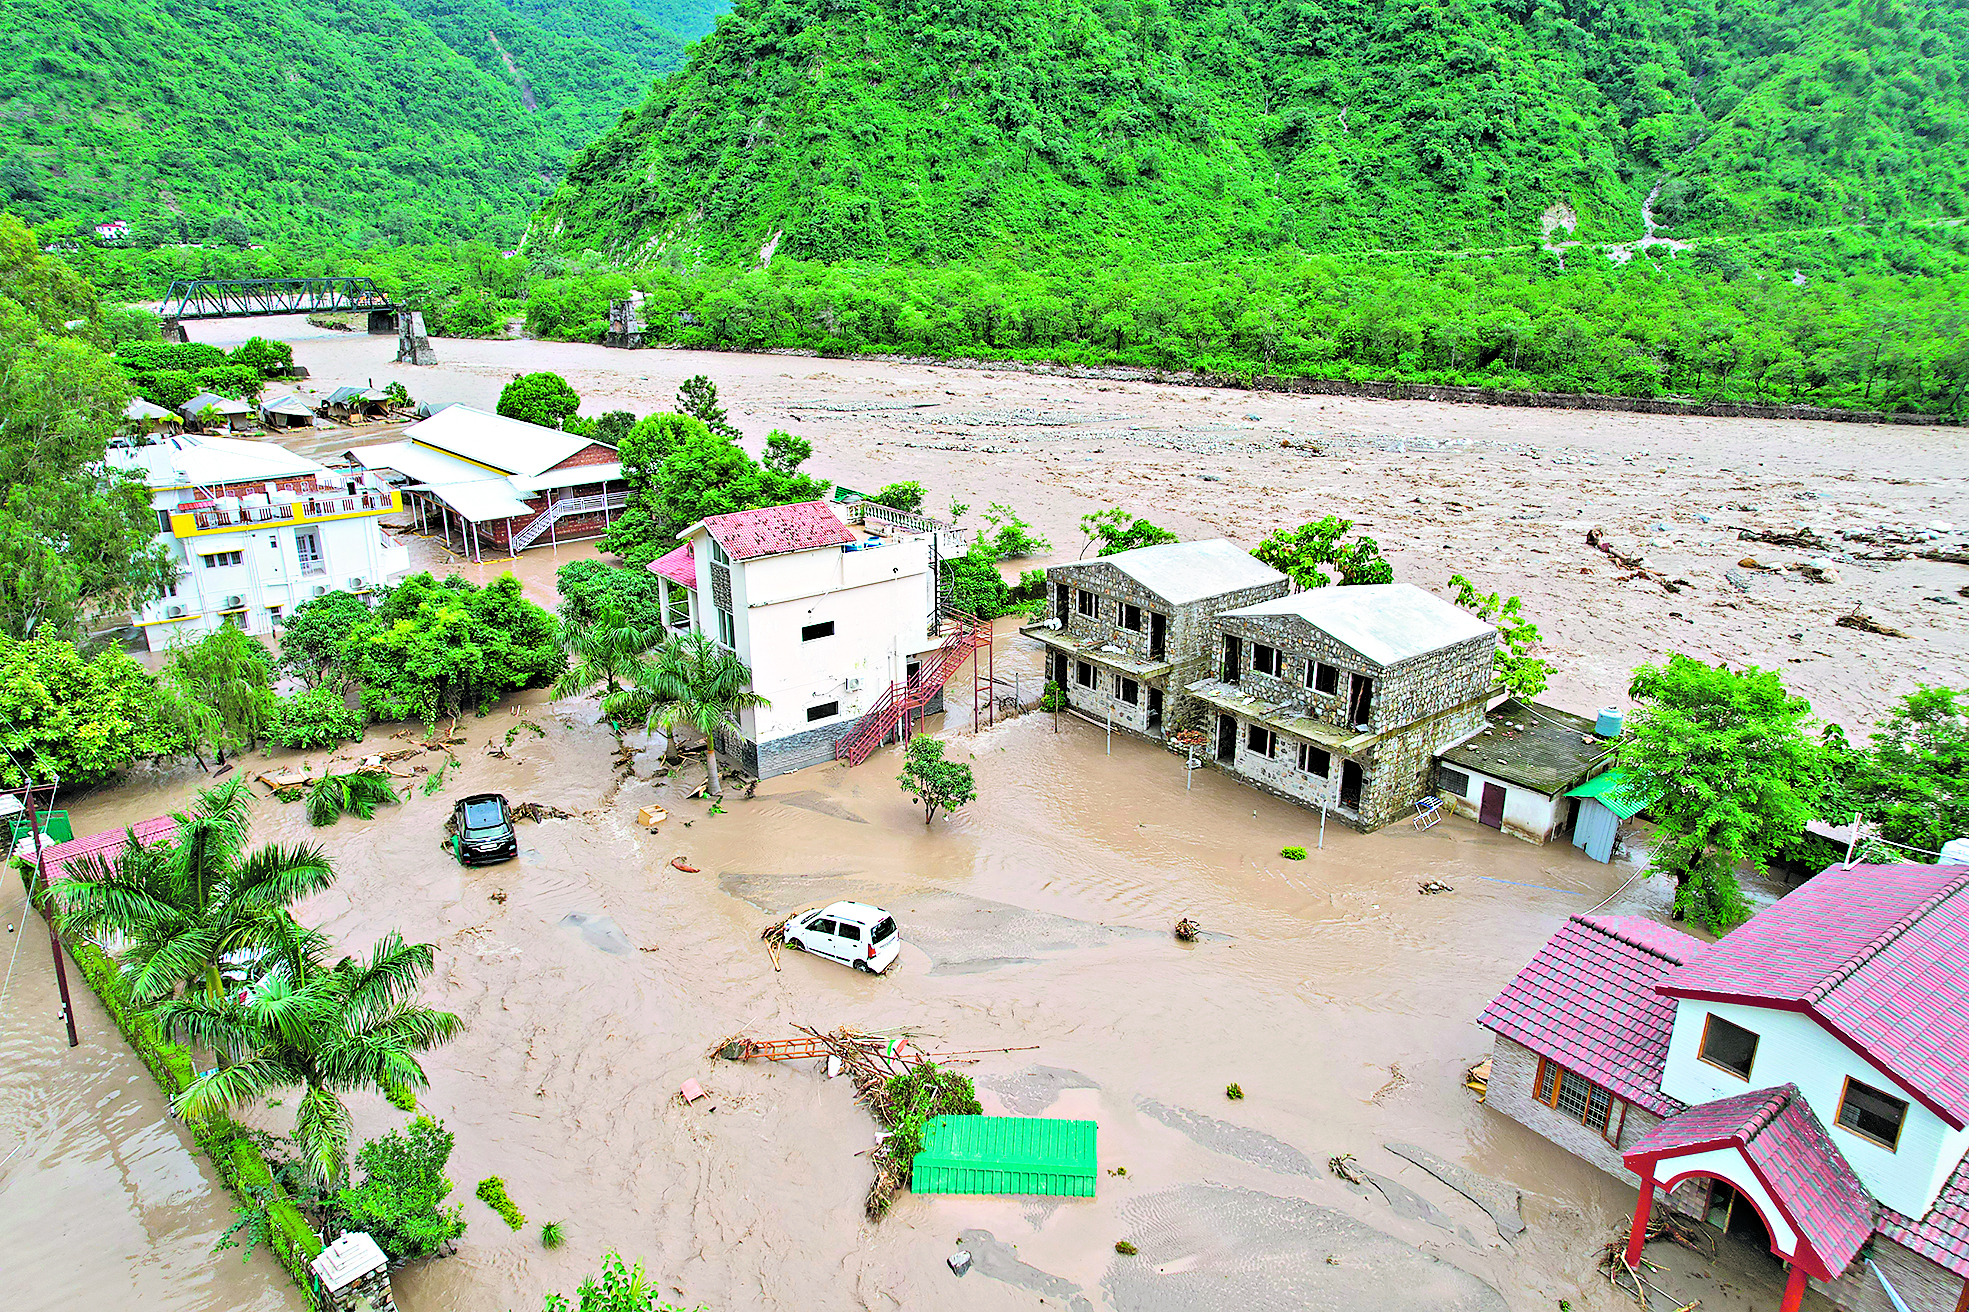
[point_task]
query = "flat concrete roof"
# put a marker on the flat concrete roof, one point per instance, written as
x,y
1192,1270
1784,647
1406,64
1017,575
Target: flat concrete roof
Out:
x,y
1534,746
1183,572
1386,622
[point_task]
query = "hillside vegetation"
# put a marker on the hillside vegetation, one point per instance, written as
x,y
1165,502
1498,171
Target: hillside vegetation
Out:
x,y
908,130
364,121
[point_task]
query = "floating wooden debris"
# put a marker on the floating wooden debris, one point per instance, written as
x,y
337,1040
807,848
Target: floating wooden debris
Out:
x,y
1434,886
1343,1166
683,865
538,811
1477,1078
1865,623
1187,930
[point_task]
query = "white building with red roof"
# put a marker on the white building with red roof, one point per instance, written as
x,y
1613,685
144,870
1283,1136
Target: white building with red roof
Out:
x,y
838,623
1804,1081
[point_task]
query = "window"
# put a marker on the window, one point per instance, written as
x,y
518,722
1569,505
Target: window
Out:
x,y
1084,600
677,598
163,521
220,559
1728,1047
809,632
1454,781
1264,659
823,926
1127,690
1871,1114
307,549
718,553
727,630
1083,674
1258,739
1131,617
824,711
1321,677
1315,760
883,928
1577,1098
850,931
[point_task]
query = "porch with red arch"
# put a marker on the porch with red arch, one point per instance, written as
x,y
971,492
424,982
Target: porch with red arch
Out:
x,y
1770,1148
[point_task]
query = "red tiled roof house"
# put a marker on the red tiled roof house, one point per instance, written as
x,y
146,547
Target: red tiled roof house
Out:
x,y
1805,1081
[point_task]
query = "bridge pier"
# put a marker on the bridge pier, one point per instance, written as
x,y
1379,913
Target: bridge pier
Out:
x,y
174,332
382,323
413,344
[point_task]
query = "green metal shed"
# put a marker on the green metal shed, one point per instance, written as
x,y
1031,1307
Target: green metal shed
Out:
x,y
1607,799
1006,1155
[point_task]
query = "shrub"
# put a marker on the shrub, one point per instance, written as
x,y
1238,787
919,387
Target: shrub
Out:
x,y
906,497
1293,853
1123,1247
552,1235
976,586
1013,537
1233,1092
492,1192
400,1201
336,795
314,718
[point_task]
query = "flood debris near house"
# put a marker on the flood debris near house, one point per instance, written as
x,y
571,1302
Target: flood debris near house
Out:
x,y
1187,930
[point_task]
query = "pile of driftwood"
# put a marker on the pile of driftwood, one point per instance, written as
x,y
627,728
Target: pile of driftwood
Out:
x,y
1628,560
538,811
1663,1223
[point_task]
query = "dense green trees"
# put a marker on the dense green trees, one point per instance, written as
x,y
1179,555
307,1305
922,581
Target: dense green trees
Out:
x,y
542,398
434,648
74,719
679,471
588,588
1299,552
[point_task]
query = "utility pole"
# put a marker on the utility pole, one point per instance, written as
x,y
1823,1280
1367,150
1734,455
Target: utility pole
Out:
x,y
41,882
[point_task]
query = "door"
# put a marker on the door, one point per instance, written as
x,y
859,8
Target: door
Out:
x,y
1155,708
1158,635
1594,833
1351,780
847,942
1061,602
1233,657
1491,811
1360,699
819,937
1226,737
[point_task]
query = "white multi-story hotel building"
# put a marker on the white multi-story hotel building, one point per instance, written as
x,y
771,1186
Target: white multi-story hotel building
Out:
x,y
256,531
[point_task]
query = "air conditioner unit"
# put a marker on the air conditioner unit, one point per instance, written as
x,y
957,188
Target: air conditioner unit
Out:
x,y
358,583
174,612
854,685
235,603
321,589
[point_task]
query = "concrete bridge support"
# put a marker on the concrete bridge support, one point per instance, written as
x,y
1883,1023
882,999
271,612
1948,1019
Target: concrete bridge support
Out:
x,y
382,322
413,344
174,332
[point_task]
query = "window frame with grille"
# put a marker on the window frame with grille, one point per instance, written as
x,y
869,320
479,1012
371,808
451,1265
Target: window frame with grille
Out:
x,y
1577,1098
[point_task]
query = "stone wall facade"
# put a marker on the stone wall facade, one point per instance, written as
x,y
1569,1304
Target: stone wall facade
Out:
x,y
797,751
1924,1285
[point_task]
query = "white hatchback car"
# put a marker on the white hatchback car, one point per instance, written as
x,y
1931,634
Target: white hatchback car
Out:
x,y
852,933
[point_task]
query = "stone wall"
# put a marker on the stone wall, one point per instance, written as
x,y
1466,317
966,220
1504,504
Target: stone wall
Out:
x,y
1402,693
1103,700
1922,1284
1190,636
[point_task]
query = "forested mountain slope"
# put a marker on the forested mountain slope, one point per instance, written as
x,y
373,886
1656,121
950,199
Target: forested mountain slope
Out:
x,y
357,120
939,129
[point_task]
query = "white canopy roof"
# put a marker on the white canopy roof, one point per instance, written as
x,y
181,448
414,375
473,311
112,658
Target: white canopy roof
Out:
x,y
510,446
1385,622
195,460
225,405
470,490
482,499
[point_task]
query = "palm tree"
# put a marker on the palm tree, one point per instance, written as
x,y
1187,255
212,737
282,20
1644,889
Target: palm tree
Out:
x,y
353,1028
180,914
691,681
356,793
605,650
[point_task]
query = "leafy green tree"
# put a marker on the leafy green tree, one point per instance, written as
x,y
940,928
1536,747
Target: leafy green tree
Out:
x,y
1011,537
314,636
400,1200
539,398
352,1028
435,648
702,474
976,585
74,719
697,397
315,718
785,453
262,356
1298,554
1732,773
938,784
1117,531
689,682
590,587
603,651
906,497
221,691
187,914
355,793
619,1288
1518,670
1914,782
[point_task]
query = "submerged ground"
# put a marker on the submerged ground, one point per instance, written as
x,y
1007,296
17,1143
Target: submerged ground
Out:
x,y
594,977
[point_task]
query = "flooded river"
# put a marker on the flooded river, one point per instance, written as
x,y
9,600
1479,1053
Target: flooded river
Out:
x,y
594,977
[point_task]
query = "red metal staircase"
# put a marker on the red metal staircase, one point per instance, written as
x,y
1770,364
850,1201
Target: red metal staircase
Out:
x,y
901,704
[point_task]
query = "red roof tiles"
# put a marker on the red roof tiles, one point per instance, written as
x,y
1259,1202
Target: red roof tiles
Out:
x,y
1787,1147
1878,955
109,845
679,566
776,529
1588,1002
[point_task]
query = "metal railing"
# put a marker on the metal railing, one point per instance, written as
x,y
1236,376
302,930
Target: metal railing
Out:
x,y
560,510
302,507
215,298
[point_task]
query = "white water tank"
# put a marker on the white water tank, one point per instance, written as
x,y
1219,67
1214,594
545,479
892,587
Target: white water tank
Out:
x,y
1610,723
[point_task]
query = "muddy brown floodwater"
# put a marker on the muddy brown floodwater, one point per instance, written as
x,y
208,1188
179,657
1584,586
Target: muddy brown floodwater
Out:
x,y
593,977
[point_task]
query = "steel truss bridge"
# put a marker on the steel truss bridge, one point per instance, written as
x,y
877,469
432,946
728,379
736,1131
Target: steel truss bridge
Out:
x,y
237,299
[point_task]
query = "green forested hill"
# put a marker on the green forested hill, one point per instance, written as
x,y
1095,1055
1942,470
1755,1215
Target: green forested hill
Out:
x,y
353,120
928,130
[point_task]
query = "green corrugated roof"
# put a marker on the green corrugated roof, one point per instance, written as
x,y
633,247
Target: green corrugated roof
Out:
x,y
1006,1155
1613,791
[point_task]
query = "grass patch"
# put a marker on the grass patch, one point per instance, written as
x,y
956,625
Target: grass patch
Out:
x,y
1293,853
492,1192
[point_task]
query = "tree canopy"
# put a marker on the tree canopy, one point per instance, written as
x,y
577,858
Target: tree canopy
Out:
x,y
542,398
1298,554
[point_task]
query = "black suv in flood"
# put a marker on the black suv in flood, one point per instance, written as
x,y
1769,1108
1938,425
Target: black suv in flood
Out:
x,y
482,830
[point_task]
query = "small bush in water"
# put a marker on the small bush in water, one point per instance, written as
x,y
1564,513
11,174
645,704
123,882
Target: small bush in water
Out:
x,y
1233,1092
551,1235
492,1192
1293,853
1123,1247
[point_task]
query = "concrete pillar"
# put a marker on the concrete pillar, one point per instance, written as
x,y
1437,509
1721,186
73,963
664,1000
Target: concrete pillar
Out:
x,y
1637,1235
354,1274
1794,1290
174,332
413,344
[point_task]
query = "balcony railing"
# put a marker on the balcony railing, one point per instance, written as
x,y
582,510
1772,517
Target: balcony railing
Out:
x,y
301,509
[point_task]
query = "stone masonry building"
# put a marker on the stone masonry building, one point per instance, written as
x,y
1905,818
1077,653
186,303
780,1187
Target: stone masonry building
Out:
x,y
1340,697
1129,631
